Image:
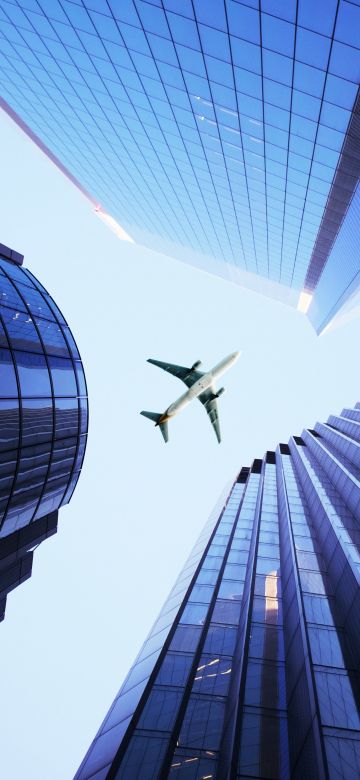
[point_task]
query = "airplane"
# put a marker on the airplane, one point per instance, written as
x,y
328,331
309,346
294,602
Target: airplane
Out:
x,y
201,386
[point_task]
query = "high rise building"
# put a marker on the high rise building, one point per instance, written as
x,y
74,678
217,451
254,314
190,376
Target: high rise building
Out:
x,y
252,668
224,133
43,418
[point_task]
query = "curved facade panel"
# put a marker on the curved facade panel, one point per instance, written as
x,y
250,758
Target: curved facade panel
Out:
x,y
43,413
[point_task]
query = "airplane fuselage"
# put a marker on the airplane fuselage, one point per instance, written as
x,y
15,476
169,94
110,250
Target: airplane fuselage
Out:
x,y
199,387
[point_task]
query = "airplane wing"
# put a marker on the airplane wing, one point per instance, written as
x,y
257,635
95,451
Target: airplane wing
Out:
x,y
208,399
187,375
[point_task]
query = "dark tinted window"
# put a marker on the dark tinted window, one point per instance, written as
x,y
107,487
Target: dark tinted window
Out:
x,y
161,709
8,385
202,724
80,378
174,669
37,421
66,417
33,374
9,296
52,337
9,424
35,301
21,330
63,376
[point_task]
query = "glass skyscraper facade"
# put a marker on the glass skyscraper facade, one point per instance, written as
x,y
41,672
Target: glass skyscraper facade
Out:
x,y
221,132
251,669
43,418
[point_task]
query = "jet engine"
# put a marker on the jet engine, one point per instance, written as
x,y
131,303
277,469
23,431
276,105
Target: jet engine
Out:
x,y
220,392
196,365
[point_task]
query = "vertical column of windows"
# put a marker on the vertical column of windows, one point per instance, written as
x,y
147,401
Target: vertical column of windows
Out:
x,y
263,741
349,427
305,739
335,522
342,471
341,445
199,736
157,721
334,657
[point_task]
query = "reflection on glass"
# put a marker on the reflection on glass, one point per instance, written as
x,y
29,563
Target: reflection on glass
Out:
x,y
63,377
37,421
33,374
9,424
66,417
21,330
8,384
52,337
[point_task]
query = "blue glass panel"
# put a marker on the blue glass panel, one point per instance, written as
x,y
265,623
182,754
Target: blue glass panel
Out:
x,y
8,385
174,669
63,376
33,374
35,301
21,330
202,724
52,337
9,424
80,378
37,421
66,417
161,709
8,294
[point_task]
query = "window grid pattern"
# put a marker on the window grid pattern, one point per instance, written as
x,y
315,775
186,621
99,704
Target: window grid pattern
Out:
x,y
341,275
276,580
43,403
226,121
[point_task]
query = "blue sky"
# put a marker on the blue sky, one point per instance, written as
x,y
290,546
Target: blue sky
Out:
x,y
72,631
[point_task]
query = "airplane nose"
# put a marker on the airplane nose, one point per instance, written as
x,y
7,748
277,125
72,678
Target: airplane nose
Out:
x,y
235,356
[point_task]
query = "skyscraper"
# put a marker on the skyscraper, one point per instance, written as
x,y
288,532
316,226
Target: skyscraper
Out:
x,y
224,133
43,418
251,669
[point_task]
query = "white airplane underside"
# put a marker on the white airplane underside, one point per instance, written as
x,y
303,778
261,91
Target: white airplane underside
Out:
x,y
200,385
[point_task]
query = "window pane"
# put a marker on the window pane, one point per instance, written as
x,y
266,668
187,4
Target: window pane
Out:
x,y
160,709
194,613
212,676
21,331
174,669
202,724
9,296
63,376
54,342
37,421
66,417
35,301
186,638
8,386
33,374
9,424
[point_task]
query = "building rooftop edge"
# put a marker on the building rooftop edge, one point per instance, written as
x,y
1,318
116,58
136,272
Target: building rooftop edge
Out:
x,y
10,254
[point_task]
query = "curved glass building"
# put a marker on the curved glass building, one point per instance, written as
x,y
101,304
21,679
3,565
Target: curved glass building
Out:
x,y
43,418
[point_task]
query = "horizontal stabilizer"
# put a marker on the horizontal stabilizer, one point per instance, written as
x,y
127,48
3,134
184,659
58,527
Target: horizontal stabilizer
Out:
x,y
152,416
155,418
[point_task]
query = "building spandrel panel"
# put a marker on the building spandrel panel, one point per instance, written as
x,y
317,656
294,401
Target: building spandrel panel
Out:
x,y
43,418
260,679
224,133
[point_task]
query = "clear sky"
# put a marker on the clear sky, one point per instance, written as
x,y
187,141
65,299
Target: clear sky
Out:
x,y
71,631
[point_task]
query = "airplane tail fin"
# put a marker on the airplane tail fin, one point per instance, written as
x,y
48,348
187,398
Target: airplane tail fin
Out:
x,y
155,418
